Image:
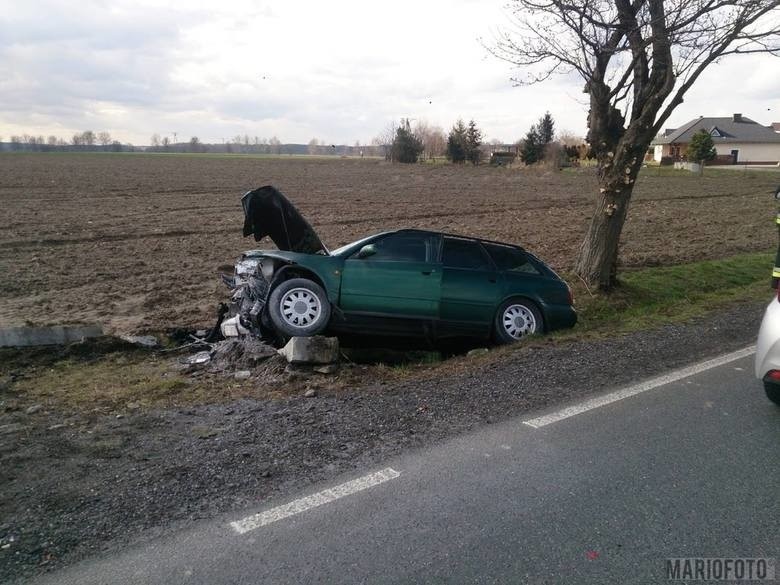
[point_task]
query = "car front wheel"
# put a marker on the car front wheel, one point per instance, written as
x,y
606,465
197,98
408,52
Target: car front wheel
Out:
x,y
299,307
515,319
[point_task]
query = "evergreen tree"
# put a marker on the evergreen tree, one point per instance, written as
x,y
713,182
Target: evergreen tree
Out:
x,y
473,142
406,146
539,136
457,143
546,128
533,147
701,147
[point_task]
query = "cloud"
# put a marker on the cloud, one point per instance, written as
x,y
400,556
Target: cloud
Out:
x,y
336,71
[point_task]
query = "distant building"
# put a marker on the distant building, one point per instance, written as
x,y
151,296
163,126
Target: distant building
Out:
x,y
737,140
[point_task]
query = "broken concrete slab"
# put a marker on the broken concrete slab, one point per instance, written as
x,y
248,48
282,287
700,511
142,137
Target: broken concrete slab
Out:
x,y
57,335
311,350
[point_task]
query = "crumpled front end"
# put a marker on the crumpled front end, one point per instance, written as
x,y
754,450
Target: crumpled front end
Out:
x,y
249,287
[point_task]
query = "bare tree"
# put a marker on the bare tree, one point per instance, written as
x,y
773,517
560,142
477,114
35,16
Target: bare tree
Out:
x,y
275,145
88,137
155,140
166,142
104,138
638,58
313,146
385,140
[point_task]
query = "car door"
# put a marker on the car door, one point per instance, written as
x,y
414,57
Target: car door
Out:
x,y
398,286
470,288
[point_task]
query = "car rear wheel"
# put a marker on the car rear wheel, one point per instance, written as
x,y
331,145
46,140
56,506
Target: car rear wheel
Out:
x,y
515,319
772,392
299,307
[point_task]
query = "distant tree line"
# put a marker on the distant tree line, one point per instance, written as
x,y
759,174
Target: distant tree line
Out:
x,y
465,143
89,141
81,141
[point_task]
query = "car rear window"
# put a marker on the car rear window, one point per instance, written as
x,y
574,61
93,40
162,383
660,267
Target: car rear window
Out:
x,y
510,259
464,254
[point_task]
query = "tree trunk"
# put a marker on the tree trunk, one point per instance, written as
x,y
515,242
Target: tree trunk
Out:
x,y
598,255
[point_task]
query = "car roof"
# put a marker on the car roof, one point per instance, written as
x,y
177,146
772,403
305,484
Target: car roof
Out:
x,y
459,236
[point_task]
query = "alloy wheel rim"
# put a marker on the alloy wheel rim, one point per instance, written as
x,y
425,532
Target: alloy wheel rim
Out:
x,y
300,307
518,320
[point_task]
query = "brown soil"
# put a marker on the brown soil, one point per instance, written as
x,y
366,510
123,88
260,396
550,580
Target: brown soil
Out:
x,y
134,241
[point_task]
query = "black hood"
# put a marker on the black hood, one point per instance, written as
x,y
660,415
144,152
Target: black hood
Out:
x,y
269,213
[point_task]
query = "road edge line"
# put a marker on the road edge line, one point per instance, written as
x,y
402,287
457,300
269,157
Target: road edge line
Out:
x,y
674,376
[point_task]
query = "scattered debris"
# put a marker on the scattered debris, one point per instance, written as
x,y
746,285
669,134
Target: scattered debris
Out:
x,y
148,341
233,328
240,353
196,359
311,350
203,432
478,352
327,369
34,408
239,357
310,393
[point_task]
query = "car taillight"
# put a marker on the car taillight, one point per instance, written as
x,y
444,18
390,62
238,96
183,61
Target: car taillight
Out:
x,y
773,375
571,295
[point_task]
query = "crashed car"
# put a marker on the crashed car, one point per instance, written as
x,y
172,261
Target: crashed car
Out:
x,y
407,284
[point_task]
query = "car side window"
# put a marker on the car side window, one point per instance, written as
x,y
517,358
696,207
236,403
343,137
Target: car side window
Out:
x,y
406,247
457,253
510,259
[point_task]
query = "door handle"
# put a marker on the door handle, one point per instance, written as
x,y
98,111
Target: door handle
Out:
x,y
428,272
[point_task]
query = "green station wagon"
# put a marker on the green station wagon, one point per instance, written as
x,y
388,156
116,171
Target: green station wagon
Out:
x,y
407,284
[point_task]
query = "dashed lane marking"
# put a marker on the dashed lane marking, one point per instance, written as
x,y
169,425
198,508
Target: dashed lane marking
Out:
x,y
314,500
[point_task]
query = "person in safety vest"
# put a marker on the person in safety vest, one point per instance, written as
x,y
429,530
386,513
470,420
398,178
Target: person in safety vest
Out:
x,y
776,269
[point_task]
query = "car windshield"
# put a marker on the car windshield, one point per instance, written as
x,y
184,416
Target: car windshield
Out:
x,y
345,247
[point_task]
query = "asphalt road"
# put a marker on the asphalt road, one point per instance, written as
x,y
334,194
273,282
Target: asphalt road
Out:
x,y
687,469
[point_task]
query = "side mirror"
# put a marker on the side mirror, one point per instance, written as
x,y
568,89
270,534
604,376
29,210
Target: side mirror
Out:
x,y
366,251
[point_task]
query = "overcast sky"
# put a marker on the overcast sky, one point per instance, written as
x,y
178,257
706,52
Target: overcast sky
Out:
x,y
339,71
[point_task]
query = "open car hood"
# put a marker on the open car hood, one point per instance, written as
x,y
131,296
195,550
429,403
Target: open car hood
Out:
x,y
269,213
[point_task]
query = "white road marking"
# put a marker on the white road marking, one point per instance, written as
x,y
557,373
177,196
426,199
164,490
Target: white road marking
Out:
x,y
313,501
547,419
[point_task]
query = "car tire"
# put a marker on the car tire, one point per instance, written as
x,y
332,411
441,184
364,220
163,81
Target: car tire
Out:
x,y
517,318
299,307
772,392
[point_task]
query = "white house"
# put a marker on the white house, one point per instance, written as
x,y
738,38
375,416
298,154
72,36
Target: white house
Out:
x,y
737,140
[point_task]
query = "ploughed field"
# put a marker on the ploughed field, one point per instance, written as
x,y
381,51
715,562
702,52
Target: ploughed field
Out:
x,y
134,241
